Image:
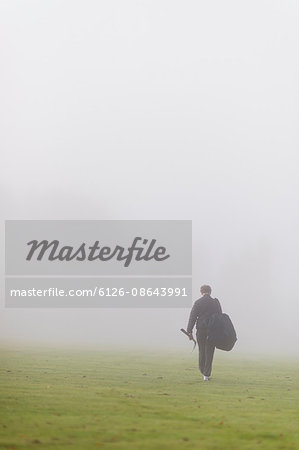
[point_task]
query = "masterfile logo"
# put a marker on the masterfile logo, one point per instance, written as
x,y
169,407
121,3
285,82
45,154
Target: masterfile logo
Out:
x,y
128,263
141,251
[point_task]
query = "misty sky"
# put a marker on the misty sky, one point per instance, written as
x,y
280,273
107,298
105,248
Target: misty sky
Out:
x,y
159,110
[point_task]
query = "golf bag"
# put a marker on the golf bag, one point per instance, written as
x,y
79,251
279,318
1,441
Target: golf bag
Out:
x,y
221,331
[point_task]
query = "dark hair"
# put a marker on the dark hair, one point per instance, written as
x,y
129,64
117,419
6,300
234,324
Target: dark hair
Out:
x,y
205,289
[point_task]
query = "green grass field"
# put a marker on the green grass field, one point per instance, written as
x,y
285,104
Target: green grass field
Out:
x,y
96,399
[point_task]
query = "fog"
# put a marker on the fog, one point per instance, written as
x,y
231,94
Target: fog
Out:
x,y
159,110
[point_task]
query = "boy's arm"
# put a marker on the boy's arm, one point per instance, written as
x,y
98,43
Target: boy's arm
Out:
x,y
218,305
192,318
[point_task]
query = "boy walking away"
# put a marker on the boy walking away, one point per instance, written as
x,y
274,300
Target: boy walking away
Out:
x,y
201,309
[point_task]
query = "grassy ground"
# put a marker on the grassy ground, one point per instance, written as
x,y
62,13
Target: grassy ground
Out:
x,y
92,399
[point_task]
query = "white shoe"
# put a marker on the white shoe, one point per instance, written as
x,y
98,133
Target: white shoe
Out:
x,y
206,378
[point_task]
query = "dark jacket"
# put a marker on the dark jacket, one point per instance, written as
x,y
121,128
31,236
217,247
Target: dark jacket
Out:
x,y
201,309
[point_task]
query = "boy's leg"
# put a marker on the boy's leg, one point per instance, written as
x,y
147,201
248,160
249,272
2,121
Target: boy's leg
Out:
x,y
201,352
209,354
